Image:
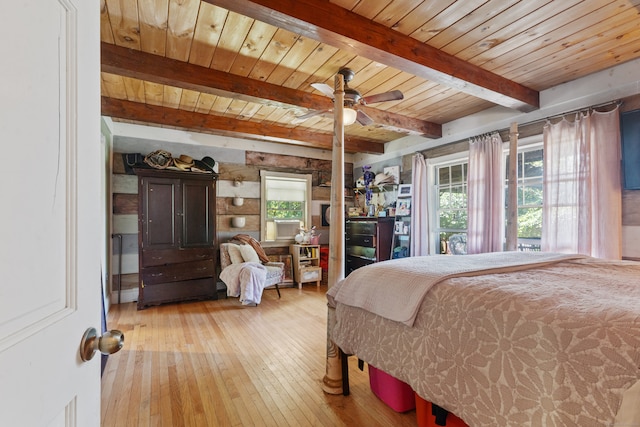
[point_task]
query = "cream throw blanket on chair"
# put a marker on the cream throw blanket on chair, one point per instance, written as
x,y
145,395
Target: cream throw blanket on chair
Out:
x,y
246,280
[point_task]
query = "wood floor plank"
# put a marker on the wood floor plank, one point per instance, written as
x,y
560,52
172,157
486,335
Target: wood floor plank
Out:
x,y
216,363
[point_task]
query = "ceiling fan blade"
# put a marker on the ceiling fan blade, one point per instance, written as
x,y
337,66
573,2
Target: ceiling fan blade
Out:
x,y
363,118
324,88
302,118
394,95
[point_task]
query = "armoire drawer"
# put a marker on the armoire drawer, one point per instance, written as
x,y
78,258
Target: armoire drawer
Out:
x,y
360,227
197,289
158,257
354,262
177,272
366,240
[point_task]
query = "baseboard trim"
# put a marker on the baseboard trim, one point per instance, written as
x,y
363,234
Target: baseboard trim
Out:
x,y
126,295
131,295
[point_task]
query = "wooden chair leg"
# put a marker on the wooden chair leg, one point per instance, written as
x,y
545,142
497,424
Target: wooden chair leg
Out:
x,y
278,290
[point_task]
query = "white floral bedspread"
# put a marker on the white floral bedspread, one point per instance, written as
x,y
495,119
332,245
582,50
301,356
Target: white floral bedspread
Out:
x,y
558,345
399,298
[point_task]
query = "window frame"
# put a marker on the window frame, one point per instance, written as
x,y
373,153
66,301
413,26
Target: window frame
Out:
x,y
432,183
264,177
531,143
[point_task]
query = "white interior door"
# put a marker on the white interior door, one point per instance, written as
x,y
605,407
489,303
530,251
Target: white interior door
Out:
x,y
50,227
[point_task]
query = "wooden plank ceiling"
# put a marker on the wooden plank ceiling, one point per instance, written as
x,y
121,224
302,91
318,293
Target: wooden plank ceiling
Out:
x,y
245,68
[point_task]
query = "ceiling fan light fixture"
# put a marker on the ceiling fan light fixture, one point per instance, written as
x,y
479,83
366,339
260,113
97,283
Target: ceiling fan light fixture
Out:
x,y
349,116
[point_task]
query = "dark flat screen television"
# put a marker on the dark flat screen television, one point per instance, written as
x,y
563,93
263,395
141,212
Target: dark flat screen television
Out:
x,y
630,132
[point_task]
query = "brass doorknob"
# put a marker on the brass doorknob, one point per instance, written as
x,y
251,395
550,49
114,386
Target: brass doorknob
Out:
x,y
109,343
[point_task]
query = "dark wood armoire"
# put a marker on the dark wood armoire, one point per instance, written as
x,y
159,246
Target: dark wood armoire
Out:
x,y
176,236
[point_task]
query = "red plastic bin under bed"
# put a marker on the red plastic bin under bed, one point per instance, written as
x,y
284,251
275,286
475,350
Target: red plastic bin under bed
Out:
x,y
430,415
400,397
396,394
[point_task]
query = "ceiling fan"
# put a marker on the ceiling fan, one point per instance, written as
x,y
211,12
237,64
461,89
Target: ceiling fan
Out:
x,y
351,98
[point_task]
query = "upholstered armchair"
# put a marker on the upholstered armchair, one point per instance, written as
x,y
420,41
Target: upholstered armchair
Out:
x,y
229,255
458,244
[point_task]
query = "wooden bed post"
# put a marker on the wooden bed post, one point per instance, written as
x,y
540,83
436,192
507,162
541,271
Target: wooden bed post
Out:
x,y
512,203
332,381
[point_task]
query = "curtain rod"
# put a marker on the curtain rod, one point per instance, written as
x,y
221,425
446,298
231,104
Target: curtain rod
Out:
x,y
592,107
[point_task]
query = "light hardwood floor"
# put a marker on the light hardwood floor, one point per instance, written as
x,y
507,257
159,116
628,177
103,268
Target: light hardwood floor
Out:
x,y
215,363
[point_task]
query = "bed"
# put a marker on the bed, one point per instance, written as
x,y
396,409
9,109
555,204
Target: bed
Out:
x,y
502,339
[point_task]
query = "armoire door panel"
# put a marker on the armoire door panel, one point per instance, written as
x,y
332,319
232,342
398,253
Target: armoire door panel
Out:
x,y
198,215
160,218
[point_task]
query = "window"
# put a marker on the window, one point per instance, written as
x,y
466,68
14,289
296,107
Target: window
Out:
x,y
448,179
529,186
451,203
285,205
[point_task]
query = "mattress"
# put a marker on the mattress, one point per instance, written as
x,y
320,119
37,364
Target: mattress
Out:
x,y
550,345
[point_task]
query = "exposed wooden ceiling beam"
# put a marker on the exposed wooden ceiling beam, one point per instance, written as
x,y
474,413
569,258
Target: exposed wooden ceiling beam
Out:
x,y
399,123
329,23
136,111
157,69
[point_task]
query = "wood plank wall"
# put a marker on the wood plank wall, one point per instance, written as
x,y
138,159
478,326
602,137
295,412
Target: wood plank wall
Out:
x,y
235,180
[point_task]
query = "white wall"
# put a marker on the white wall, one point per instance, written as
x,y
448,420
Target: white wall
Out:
x,y
105,185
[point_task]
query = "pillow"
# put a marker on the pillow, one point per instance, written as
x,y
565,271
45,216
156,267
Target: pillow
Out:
x,y
234,254
248,253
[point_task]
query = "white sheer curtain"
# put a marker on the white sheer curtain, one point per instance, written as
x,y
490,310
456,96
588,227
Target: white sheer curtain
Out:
x,y
582,207
419,213
485,195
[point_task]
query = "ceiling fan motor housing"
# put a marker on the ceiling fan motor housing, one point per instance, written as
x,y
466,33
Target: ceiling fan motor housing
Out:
x,y
351,96
347,74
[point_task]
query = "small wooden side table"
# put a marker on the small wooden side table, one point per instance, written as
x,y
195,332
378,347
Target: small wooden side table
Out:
x,y
306,264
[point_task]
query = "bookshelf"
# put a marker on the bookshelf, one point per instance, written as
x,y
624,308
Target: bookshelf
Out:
x,y
306,264
402,226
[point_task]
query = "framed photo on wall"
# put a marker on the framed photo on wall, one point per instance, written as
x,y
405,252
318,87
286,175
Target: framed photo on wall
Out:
x,y
403,207
404,190
288,266
324,178
326,214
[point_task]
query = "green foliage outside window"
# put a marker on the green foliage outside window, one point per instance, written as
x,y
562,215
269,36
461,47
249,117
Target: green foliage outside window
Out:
x,y
530,167
278,209
530,212
453,209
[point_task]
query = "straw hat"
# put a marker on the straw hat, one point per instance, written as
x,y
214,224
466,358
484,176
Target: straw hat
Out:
x,y
383,178
183,162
